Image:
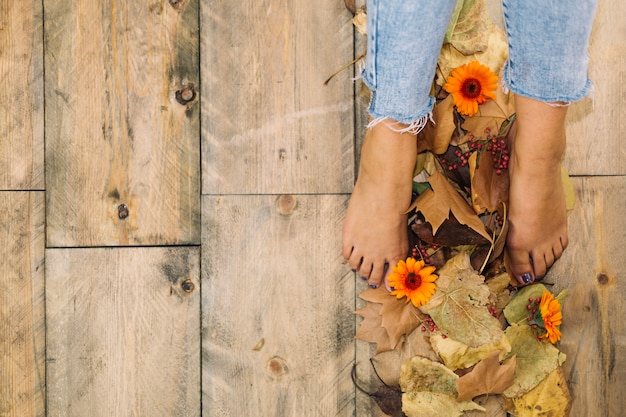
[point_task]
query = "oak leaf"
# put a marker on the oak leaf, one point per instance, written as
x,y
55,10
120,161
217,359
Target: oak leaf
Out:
x,y
550,398
487,377
437,204
536,359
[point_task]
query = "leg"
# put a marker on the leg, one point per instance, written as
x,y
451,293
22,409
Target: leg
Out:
x,y
403,45
547,64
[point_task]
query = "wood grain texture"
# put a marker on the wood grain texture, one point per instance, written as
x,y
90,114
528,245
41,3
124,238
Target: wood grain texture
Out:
x,y
123,332
593,269
269,125
22,325
21,95
277,305
119,128
597,125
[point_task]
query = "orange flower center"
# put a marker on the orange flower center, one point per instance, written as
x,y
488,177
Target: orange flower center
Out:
x,y
471,88
413,281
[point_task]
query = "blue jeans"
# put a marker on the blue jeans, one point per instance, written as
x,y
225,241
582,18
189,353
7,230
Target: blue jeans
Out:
x,y
547,40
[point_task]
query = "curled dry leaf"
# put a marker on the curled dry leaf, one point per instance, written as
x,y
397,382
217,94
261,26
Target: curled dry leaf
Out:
x,y
489,190
371,329
457,355
487,377
436,135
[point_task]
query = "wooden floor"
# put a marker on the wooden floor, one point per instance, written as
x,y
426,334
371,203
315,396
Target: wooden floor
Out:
x,y
174,176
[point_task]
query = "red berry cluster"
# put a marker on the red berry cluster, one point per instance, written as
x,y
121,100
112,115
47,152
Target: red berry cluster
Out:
x,y
499,152
494,311
421,252
431,326
533,305
499,219
459,159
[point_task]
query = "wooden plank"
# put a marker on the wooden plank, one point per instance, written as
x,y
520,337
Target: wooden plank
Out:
x,y
597,125
593,268
22,324
269,125
277,306
123,331
21,95
122,140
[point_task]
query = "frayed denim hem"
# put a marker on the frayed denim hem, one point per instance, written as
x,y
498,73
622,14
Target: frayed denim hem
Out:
x,y
413,127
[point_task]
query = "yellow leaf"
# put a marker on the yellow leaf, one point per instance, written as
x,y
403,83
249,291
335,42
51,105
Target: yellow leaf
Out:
x,y
457,355
550,398
432,404
422,374
568,188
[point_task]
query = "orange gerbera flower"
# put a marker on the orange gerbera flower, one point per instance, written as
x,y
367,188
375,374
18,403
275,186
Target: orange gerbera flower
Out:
x,y
550,309
470,85
413,280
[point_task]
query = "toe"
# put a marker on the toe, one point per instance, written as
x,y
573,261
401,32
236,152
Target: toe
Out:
x,y
378,272
521,265
365,270
541,261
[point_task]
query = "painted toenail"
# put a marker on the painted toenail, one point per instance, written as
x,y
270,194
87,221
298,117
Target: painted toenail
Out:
x,y
373,286
353,270
527,278
364,278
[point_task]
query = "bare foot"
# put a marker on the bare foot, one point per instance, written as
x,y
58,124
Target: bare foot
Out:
x,y
375,227
538,216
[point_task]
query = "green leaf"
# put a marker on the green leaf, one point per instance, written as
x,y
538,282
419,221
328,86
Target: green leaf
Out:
x,y
420,187
422,374
536,359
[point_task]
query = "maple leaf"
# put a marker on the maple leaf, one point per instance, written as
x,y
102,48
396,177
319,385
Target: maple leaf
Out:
x,y
550,398
487,377
437,204
536,359
433,404
387,320
371,330
460,305
495,116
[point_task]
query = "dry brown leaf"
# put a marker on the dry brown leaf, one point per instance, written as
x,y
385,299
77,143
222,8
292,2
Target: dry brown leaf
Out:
x,y
470,26
437,204
436,136
388,363
489,189
398,317
487,377
371,330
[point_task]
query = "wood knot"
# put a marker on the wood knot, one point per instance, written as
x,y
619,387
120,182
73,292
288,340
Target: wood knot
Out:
x,y
286,204
188,286
178,5
122,211
602,278
186,94
276,367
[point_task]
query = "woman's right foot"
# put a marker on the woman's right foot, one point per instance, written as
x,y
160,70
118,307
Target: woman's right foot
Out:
x,y
375,228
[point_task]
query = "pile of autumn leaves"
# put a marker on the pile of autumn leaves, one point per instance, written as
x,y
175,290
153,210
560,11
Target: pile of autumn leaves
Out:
x,y
463,336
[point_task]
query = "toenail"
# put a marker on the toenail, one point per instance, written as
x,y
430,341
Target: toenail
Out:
x,y
364,278
353,270
527,278
373,286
